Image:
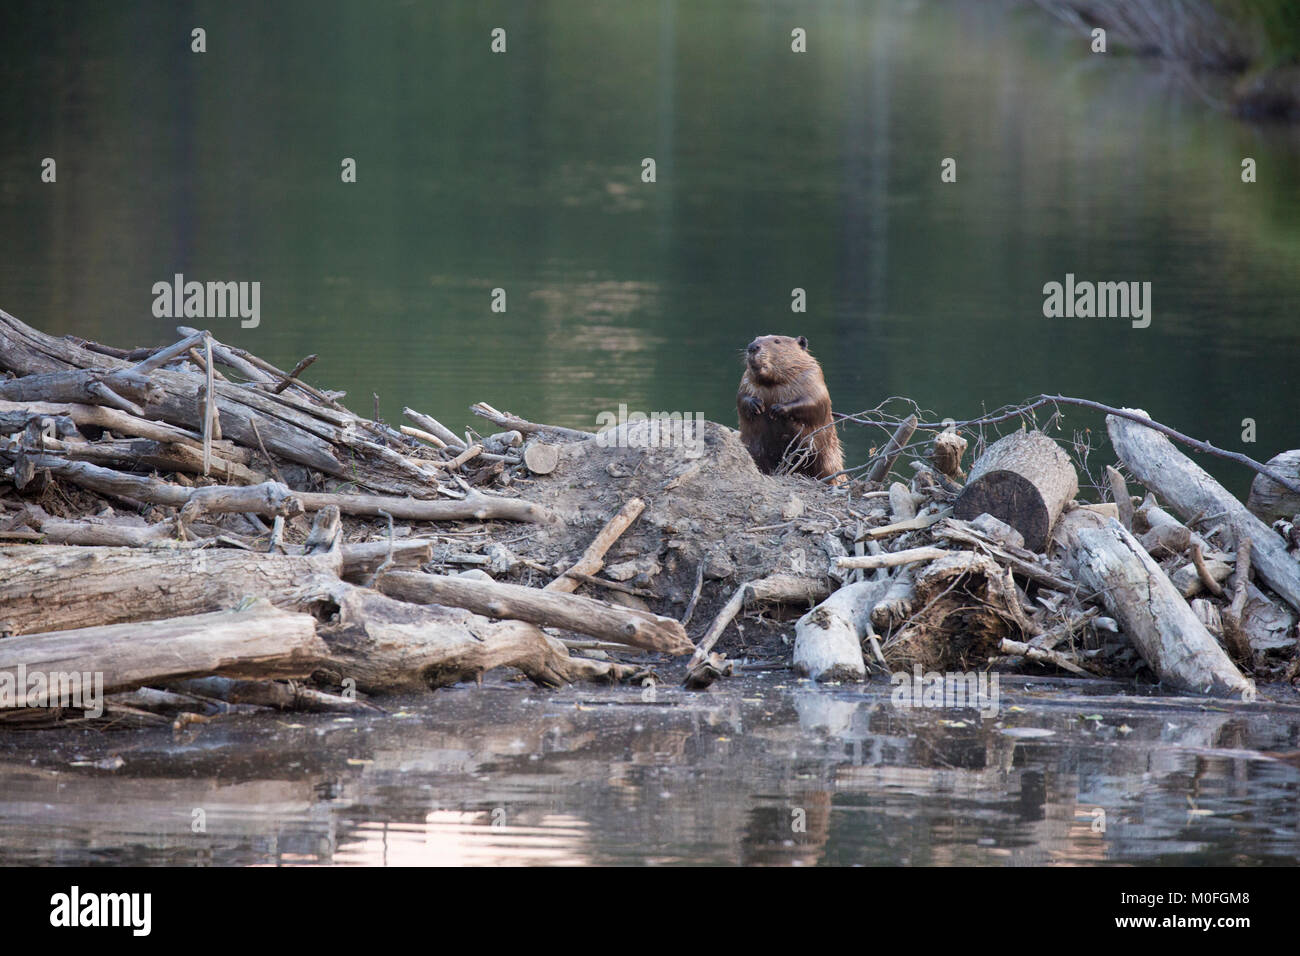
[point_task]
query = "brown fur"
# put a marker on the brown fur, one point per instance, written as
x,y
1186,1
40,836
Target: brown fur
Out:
x,y
782,400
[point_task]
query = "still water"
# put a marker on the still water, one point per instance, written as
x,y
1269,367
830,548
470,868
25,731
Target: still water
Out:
x,y
774,171
761,771
522,171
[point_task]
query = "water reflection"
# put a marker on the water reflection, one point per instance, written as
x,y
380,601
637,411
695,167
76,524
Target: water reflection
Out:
x,y
765,772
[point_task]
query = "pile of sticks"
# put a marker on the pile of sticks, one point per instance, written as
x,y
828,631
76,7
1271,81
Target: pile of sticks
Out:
x,y
205,465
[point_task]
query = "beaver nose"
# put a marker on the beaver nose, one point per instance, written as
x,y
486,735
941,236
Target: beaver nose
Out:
x,y
753,348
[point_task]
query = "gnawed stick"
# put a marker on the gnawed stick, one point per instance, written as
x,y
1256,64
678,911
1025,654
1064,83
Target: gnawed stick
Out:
x,y
1042,655
259,641
435,428
292,377
544,608
774,587
1119,491
891,559
515,423
593,559
1234,632
897,442
918,523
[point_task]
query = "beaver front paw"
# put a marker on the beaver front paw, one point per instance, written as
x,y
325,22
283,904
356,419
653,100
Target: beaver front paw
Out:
x,y
751,406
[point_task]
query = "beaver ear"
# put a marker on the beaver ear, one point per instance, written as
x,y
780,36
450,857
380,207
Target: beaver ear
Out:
x,y
803,342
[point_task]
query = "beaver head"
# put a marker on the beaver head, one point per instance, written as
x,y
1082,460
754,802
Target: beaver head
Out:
x,y
773,359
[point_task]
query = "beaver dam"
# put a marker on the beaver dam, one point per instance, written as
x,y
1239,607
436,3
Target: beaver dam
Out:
x,y
189,532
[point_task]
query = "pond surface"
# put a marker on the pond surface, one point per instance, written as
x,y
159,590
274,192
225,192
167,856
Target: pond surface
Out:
x,y
774,171
767,770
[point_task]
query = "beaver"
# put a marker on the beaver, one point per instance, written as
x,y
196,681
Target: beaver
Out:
x,y
783,400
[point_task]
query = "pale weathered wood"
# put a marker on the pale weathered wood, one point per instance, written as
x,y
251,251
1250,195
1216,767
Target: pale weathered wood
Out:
x,y
828,639
775,588
515,423
44,588
1268,500
1190,491
259,641
538,606
1135,591
893,448
891,559
540,457
382,644
1024,479
593,559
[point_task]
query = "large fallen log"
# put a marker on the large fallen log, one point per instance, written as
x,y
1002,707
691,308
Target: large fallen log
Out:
x,y
1189,490
256,642
828,639
1023,479
378,644
572,612
44,588
1107,559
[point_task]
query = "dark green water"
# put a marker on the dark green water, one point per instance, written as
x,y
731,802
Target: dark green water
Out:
x,y
775,170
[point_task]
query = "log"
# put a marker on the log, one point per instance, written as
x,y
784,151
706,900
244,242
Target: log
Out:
x,y
538,606
475,505
1268,500
258,641
1135,591
593,559
893,448
1190,491
515,423
540,457
774,587
383,645
891,559
44,588
1024,479
828,639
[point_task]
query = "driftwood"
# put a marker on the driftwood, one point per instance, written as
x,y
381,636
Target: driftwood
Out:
x,y
828,639
1024,479
381,645
278,695
1268,500
893,448
775,588
258,641
593,559
1136,592
538,606
891,559
43,588
515,423
1190,491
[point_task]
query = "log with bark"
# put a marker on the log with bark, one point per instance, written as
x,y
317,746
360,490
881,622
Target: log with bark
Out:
x,y
1108,560
1187,488
1024,479
258,641
583,615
